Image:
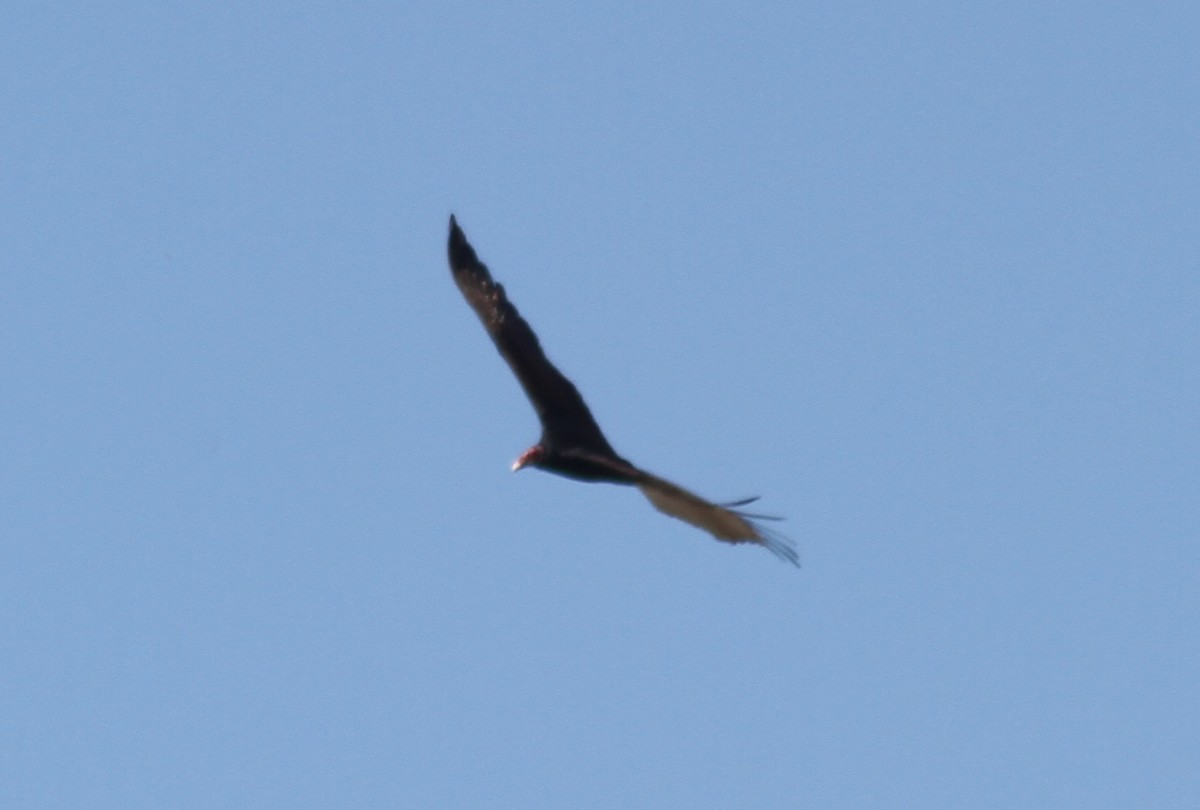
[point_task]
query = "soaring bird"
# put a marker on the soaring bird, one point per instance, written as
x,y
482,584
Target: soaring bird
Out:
x,y
572,444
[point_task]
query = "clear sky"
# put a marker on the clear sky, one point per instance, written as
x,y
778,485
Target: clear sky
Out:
x,y
927,280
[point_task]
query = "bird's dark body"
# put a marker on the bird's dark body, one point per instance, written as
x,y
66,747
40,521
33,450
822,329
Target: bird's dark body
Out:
x,y
584,466
572,444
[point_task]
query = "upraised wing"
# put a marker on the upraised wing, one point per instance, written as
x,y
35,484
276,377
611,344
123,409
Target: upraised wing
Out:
x,y
723,523
564,416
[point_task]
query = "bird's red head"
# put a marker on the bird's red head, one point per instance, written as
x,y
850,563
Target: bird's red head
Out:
x,y
531,456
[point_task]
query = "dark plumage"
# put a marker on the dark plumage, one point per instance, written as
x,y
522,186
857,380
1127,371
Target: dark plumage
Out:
x,y
572,444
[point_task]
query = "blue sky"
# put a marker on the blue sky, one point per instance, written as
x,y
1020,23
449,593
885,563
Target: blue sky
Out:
x,y
925,279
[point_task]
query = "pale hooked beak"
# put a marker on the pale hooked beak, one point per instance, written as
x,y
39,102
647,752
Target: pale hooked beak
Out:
x,y
530,456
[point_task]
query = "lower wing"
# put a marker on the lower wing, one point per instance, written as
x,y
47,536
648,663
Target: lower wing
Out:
x,y
723,523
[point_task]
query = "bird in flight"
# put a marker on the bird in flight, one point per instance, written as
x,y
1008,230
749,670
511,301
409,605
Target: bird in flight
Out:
x,y
572,444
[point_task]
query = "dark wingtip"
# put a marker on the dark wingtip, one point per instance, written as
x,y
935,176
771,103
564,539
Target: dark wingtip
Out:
x,y
780,546
776,543
460,250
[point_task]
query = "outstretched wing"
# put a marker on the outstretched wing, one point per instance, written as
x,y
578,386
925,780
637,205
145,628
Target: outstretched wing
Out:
x,y
565,417
729,525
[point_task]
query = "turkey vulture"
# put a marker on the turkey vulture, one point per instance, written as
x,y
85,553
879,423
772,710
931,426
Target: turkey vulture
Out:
x,y
571,443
